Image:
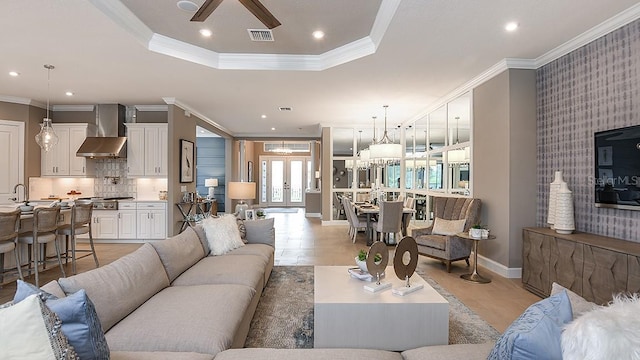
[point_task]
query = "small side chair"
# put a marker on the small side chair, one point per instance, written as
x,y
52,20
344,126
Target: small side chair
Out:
x,y
9,227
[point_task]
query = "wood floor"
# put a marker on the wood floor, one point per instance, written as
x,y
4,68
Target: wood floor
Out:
x,y
304,241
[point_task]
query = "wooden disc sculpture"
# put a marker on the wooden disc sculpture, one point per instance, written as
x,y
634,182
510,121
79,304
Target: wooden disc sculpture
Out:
x,y
377,268
406,248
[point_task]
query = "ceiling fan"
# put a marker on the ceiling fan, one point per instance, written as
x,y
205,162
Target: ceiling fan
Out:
x,y
254,6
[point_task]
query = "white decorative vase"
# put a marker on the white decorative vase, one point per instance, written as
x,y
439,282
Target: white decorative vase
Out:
x,y
553,191
475,233
362,264
564,215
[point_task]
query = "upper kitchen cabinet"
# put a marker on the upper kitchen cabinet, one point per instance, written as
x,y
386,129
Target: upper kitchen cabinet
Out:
x,y
147,150
62,160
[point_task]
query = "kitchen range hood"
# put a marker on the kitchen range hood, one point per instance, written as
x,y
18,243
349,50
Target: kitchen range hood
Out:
x,y
110,142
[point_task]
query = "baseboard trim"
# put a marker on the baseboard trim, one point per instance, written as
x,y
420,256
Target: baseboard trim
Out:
x,y
313,215
496,267
334,222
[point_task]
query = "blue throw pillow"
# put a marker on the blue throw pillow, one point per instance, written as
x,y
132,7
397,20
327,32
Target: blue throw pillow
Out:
x,y
536,333
80,323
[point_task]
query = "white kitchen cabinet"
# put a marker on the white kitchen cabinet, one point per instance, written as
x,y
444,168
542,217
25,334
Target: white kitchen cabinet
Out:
x,y
147,150
61,160
104,224
127,222
152,220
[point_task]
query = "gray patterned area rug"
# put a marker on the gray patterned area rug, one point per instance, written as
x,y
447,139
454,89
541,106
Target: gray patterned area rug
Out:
x,y
284,317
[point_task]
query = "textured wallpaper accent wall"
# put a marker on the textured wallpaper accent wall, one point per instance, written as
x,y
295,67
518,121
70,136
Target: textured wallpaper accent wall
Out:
x,y
594,88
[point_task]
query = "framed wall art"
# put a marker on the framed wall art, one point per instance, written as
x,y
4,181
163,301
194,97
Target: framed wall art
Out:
x,y
187,165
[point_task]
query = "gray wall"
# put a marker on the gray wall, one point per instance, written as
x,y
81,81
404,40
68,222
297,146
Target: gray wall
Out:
x,y
594,88
180,127
504,147
32,117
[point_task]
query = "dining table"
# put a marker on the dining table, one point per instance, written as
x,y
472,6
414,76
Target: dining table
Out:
x,y
369,210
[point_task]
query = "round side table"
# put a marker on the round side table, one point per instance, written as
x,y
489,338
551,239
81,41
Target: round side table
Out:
x,y
474,276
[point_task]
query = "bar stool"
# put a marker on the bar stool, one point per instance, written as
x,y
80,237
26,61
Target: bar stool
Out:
x,y
80,224
9,226
45,224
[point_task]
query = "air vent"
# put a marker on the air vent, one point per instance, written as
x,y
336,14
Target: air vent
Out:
x,y
260,34
284,108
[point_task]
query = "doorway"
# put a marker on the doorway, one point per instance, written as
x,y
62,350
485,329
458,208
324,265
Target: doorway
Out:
x,y
283,180
11,158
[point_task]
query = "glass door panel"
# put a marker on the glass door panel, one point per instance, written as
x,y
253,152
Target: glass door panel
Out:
x,y
284,180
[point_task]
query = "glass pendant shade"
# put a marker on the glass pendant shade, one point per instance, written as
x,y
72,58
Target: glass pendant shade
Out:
x,y
46,138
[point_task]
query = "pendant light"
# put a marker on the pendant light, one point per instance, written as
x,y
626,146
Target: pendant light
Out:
x,y
47,137
385,150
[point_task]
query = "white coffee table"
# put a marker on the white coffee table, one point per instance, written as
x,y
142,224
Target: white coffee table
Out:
x,y
347,316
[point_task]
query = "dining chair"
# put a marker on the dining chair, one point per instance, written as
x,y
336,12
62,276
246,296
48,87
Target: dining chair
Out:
x,y
9,227
355,222
45,224
80,224
389,221
409,203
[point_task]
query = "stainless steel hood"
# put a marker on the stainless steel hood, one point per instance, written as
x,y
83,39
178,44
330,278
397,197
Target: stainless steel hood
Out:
x,y
110,142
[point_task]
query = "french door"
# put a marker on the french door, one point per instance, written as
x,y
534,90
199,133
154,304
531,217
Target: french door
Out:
x,y
283,180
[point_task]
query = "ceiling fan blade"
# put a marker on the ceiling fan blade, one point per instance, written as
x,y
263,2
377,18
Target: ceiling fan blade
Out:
x,y
205,10
261,13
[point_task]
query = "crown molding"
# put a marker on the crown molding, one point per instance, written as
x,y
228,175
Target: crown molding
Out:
x,y
16,100
596,32
124,18
187,108
165,45
152,107
72,107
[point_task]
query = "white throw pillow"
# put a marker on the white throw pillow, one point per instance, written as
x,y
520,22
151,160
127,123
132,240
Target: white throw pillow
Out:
x,y
29,330
447,227
609,332
222,234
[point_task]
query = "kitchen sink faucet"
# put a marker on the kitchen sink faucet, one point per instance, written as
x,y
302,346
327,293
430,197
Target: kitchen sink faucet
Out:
x,y
25,193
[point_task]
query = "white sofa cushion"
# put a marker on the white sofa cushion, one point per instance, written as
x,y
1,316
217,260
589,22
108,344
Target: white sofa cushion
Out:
x,y
180,252
202,319
447,352
158,355
307,354
118,288
245,270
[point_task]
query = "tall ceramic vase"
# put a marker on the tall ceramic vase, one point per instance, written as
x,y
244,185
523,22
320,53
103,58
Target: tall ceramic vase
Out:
x,y
564,216
554,187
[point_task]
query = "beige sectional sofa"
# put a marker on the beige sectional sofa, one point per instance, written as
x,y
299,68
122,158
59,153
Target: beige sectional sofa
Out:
x,y
169,300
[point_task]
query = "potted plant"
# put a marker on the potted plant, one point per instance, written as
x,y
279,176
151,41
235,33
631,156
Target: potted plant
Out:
x,y
361,259
476,231
260,213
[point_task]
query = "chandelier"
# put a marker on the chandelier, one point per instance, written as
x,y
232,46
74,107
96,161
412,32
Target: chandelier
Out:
x,y
385,150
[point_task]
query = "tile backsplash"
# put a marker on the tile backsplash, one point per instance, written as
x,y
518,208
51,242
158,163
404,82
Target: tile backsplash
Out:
x,y
110,180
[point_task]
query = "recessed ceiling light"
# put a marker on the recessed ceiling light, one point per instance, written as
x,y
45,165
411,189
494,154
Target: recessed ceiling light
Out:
x,y
14,73
187,5
69,93
273,129
205,32
263,116
512,26
318,34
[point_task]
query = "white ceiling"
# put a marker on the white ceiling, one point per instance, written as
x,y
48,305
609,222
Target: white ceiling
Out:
x,y
428,49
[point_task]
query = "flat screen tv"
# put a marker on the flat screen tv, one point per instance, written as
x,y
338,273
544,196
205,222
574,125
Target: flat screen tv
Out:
x,y
617,168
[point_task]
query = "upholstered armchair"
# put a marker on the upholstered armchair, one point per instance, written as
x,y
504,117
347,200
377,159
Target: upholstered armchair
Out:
x,y
448,248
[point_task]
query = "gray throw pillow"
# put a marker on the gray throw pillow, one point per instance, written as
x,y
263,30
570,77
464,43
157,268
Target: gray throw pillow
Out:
x,y
260,231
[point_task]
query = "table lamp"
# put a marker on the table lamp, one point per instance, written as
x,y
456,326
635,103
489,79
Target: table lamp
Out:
x,y
242,191
211,184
